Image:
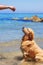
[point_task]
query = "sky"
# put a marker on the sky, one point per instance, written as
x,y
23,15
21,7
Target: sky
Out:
x,y
24,6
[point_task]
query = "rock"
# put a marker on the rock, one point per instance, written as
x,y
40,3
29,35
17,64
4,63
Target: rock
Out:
x,y
2,57
15,18
36,19
26,18
41,19
33,19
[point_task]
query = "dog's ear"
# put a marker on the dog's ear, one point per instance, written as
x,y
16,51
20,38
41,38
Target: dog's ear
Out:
x,y
31,36
23,27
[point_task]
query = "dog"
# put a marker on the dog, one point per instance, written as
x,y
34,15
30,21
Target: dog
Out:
x,y
29,48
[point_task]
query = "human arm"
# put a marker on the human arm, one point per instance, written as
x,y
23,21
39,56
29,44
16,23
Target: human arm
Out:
x,y
7,7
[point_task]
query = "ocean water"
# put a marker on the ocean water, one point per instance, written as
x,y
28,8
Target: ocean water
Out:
x,y
11,29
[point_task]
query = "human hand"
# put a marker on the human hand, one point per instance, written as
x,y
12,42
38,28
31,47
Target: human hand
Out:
x,y
12,8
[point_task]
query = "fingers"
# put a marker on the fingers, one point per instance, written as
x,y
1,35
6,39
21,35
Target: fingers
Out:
x,y
12,8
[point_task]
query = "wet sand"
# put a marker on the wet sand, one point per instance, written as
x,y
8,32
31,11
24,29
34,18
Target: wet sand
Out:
x,y
10,53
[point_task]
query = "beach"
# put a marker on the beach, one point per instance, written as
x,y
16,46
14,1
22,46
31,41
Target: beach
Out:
x,y
10,53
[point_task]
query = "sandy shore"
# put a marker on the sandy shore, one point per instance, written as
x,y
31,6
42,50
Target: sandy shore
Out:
x,y
10,53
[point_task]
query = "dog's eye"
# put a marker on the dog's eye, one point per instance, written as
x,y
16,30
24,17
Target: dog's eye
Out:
x,y
29,45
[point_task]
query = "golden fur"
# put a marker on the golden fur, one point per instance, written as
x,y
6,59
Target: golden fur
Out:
x,y
30,50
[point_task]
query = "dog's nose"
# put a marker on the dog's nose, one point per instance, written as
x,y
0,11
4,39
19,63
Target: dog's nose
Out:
x,y
23,27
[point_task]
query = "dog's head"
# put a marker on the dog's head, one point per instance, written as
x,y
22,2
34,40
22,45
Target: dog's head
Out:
x,y
29,32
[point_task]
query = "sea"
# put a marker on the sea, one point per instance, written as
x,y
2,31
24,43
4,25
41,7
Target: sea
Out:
x,y
12,29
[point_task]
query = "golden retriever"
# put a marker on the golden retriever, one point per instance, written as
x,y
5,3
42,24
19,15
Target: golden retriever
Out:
x,y
29,48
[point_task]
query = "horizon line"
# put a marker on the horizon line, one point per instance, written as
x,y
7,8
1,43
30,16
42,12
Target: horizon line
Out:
x,y
23,12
